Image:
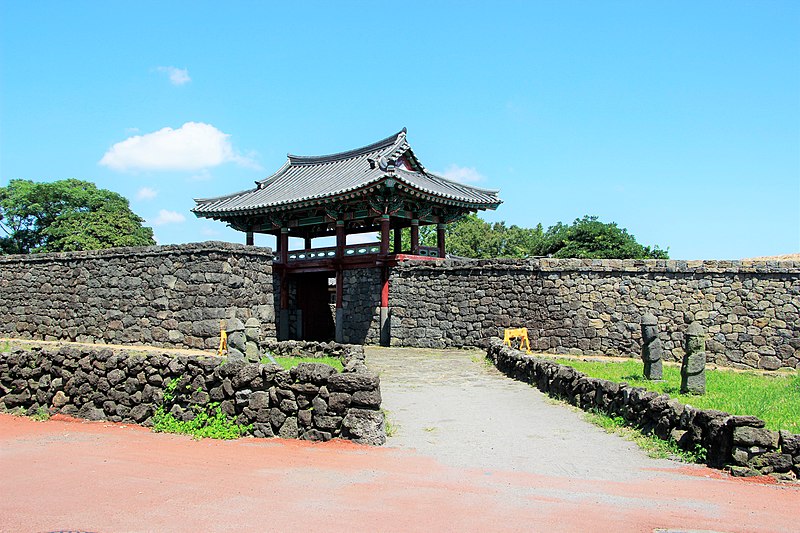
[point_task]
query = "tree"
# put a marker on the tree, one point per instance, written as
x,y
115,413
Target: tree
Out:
x,y
66,215
588,238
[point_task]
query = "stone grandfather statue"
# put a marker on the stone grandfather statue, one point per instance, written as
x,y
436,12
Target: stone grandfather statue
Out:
x,y
693,369
651,348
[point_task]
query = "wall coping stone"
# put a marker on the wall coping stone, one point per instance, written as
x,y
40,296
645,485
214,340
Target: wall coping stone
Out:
x,y
642,266
141,251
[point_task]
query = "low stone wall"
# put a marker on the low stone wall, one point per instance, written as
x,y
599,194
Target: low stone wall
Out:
x,y
312,401
738,442
750,309
160,295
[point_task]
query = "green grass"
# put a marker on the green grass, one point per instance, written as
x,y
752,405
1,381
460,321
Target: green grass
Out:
x,y
5,346
41,415
651,444
291,362
775,398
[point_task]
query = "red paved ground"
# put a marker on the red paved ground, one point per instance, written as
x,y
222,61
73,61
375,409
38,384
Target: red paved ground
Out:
x,y
95,476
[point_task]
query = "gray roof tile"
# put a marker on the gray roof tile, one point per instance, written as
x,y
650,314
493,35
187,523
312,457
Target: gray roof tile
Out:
x,y
304,178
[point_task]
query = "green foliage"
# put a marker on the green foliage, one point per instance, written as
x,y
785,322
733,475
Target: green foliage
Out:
x,y
775,398
290,362
208,422
586,238
389,426
41,415
66,215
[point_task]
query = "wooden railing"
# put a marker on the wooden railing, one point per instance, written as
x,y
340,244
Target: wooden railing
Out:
x,y
317,254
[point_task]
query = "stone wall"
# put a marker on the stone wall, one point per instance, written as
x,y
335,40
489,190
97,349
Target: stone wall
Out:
x,y
312,401
750,309
159,295
740,443
361,306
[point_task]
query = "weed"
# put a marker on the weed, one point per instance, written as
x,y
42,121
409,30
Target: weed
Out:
x,y
5,347
41,415
429,429
389,425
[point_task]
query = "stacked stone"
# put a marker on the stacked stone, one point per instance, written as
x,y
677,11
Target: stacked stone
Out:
x,y
751,310
740,442
312,401
172,295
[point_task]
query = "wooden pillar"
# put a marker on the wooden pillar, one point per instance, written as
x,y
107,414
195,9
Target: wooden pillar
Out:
x,y
414,237
307,243
440,239
339,325
384,234
249,238
283,312
341,239
398,240
385,324
283,247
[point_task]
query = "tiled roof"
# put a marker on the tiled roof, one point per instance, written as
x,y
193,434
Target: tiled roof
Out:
x,y
309,178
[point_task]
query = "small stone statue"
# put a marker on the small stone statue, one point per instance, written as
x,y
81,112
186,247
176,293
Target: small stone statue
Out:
x,y
693,369
651,348
252,332
236,339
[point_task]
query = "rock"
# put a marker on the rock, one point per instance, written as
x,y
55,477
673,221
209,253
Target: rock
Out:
x,y
140,412
790,443
60,399
262,430
365,426
369,399
90,412
246,375
115,376
746,436
259,400
289,429
317,373
316,435
353,382
235,355
338,402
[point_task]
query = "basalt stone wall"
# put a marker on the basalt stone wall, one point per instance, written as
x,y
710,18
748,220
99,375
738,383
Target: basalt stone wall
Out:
x,y
312,401
740,443
159,295
361,305
750,309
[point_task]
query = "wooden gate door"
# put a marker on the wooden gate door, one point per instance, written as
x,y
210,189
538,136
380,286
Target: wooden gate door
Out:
x,y
313,299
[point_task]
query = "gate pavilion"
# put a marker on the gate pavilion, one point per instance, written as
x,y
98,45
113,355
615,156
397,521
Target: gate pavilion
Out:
x,y
380,188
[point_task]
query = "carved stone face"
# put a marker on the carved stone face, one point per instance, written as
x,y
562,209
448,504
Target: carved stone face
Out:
x,y
695,344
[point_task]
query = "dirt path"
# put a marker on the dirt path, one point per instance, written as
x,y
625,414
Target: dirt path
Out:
x,y
451,405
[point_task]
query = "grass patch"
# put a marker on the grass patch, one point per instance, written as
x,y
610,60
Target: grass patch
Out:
x,y
208,422
290,362
5,347
775,398
651,444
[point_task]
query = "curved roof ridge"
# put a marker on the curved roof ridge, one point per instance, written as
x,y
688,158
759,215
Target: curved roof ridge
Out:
x,y
316,159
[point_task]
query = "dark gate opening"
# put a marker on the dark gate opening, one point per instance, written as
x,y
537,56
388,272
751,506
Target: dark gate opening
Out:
x,y
313,301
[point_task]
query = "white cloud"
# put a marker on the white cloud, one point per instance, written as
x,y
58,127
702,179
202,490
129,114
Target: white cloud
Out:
x,y
203,175
168,217
193,146
177,76
463,174
209,232
146,193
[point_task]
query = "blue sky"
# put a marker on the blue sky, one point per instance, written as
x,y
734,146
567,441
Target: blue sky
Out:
x,y
678,120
